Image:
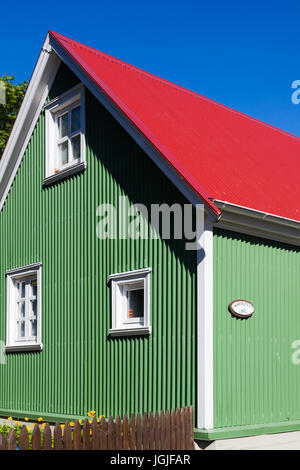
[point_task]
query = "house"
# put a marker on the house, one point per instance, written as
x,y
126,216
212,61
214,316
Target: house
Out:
x,y
92,318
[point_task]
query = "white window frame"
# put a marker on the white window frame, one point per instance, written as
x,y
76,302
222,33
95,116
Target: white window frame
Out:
x,y
12,277
121,283
53,110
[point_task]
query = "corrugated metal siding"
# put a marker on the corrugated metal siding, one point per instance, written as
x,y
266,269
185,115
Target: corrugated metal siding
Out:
x,y
81,368
255,380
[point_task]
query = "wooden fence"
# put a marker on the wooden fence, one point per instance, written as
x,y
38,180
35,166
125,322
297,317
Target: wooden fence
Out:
x,y
173,431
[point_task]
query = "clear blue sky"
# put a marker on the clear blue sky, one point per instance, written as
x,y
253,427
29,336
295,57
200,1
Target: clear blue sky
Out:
x,y
244,54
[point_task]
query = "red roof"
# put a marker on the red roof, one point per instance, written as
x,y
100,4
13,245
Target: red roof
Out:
x,y
223,154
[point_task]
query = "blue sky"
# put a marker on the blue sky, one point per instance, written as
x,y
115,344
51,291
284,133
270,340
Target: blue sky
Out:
x,y
240,53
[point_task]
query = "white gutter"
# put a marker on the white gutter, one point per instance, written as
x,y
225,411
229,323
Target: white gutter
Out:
x,y
258,223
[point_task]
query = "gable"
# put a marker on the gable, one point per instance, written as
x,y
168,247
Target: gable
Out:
x,y
38,89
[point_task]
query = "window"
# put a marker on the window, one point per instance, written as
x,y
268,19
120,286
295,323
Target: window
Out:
x,y
24,308
130,303
65,142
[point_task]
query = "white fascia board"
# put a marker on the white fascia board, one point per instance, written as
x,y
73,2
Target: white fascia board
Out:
x,y
131,129
36,94
205,364
260,224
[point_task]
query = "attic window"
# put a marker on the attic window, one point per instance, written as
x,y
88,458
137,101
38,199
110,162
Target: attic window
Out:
x,y
65,142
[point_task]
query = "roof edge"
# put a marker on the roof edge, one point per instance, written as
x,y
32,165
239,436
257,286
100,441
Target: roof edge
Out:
x,y
258,223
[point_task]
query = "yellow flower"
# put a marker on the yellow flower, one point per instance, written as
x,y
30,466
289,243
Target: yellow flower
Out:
x,y
91,413
80,421
101,416
62,426
43,425
17,423
90,421
26,419
40,419
10,418
28,428
72,424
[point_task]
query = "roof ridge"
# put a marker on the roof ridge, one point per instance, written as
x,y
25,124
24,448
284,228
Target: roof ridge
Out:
x,y
176,87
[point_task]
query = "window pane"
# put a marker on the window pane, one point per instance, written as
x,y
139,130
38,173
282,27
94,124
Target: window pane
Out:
x,y
21,329
33,288
136,303
63,153
21,290
33,308
22,309
76,147
63,125
33,327
75,119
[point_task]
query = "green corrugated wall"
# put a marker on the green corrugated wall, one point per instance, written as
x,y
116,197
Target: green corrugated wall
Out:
x,y
80,367
255,380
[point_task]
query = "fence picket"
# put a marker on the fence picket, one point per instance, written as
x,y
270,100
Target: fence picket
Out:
x,y
191,445
168,431
111,434
77,444
86,435
67,438
132,435
151,431
103,434
3,442
11,440
57,437
118,428
47,437
157,442
173,430
162,430
145,429
178,423
24,439
139,440
95,435
125,433
36,438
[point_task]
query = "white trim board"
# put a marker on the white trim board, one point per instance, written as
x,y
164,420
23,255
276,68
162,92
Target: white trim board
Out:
x,y
37,92
205,386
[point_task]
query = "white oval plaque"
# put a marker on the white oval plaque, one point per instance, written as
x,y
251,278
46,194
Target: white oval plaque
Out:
x,y
241,308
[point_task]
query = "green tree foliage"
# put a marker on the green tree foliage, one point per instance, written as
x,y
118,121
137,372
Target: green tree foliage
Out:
x,y
14,95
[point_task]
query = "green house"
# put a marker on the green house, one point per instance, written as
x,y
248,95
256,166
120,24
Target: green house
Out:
x,y
149,254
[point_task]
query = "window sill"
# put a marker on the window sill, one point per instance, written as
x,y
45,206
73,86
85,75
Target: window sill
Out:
x,y
23,347
72,170
140,330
